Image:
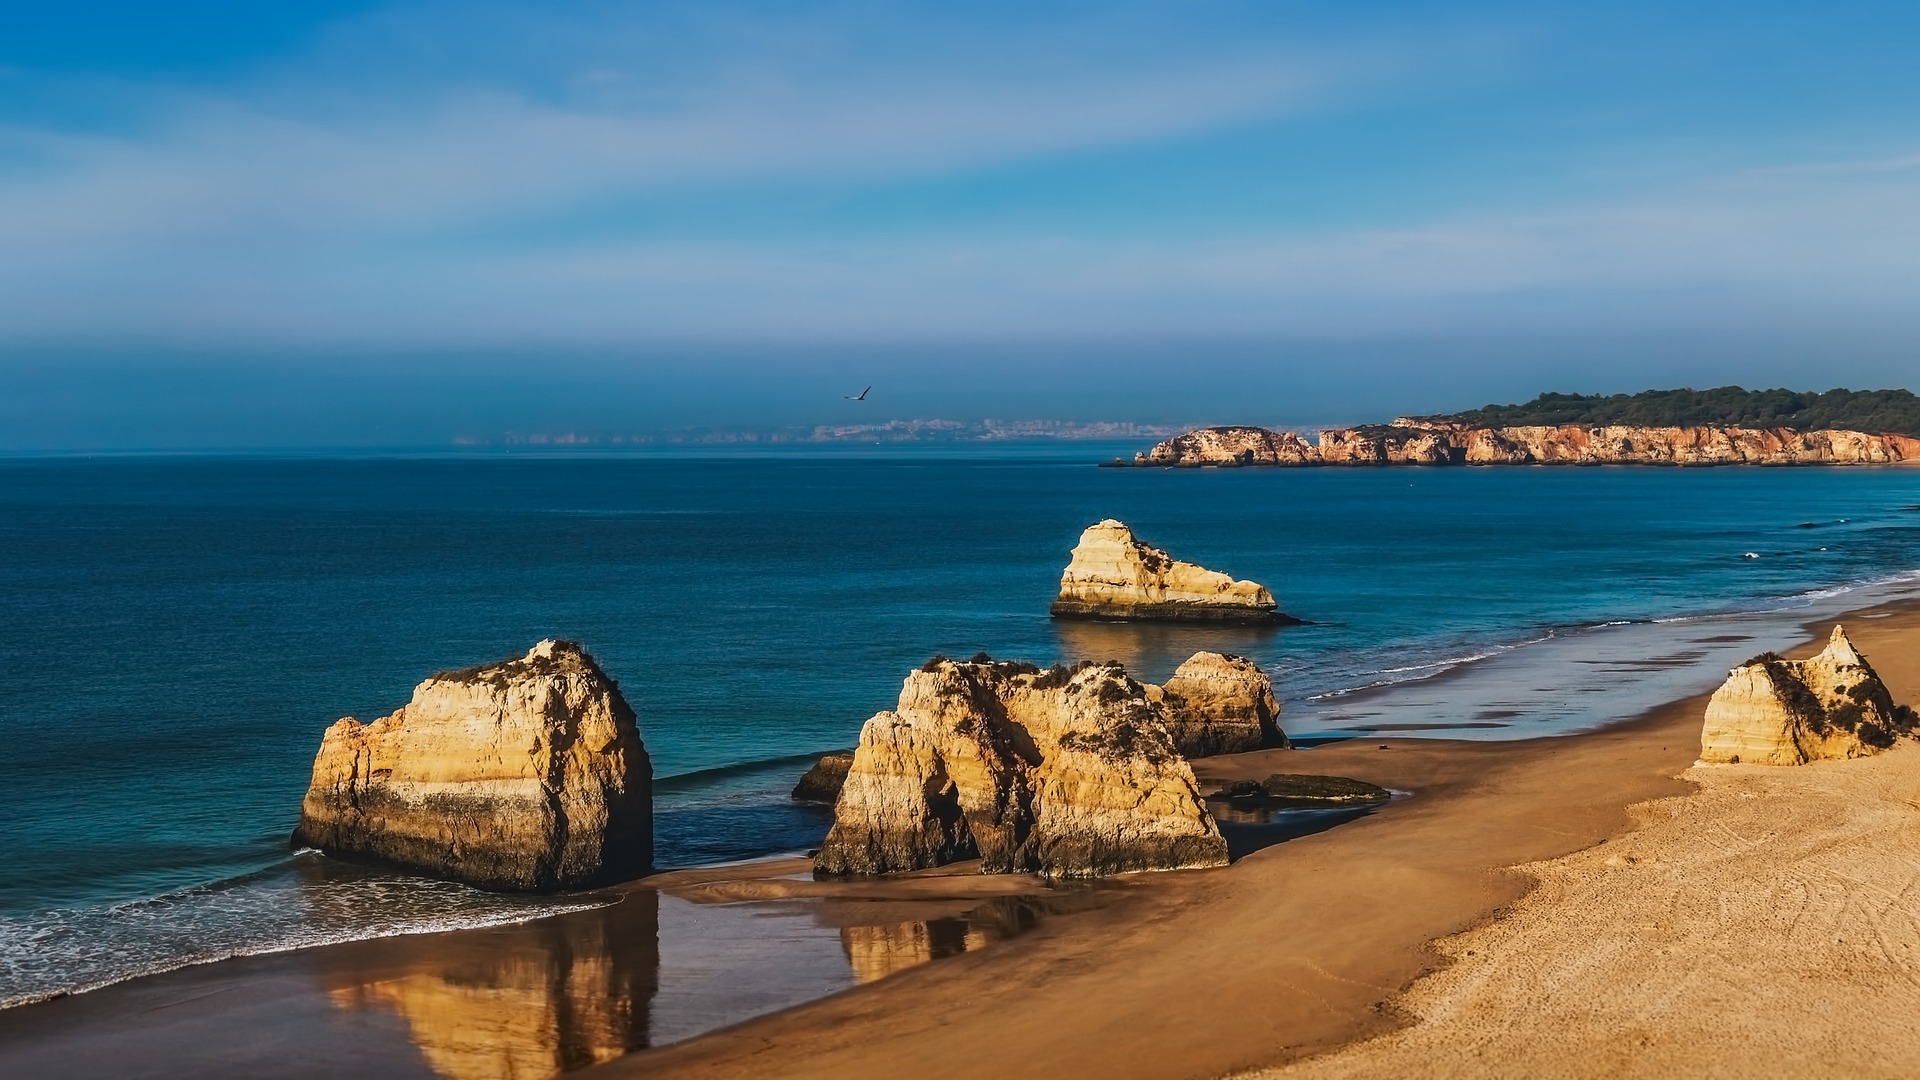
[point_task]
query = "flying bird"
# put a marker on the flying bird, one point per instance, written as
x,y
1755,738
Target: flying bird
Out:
x,y
861,396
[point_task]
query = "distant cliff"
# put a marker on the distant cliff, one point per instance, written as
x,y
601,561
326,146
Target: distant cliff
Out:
x,y
1440,441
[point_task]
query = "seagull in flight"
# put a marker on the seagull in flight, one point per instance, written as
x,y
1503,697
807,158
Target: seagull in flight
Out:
x,y
861,396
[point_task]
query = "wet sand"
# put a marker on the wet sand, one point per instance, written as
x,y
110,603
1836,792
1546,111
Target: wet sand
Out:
x,y
1299,948
674,957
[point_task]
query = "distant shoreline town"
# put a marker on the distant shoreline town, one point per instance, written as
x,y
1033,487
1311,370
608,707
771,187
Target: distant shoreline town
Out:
x,y
891,431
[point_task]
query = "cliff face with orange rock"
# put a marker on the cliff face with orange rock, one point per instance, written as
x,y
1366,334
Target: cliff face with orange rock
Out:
x,y
1414,441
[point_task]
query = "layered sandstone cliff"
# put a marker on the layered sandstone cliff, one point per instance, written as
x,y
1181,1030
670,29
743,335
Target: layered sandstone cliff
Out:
x,y
1070,772
528,774
1220,704
1112,575
1772,711
1417,441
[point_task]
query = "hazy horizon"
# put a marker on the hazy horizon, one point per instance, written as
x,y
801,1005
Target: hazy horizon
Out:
x,y
340,224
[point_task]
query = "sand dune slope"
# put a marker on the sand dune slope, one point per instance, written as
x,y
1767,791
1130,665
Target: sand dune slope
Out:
x,y
1767,925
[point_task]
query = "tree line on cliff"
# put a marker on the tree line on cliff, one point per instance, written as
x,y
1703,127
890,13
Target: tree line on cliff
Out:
x,y
1877,411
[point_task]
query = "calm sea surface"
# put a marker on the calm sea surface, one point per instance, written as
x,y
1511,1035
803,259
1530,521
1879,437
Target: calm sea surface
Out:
x,y
175,633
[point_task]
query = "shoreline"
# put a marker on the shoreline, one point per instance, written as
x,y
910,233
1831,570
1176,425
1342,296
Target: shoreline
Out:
x,y
1200,972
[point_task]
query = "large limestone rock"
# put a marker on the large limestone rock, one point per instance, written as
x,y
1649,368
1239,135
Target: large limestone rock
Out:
x,y
1112,575
1772,711
1220,704
1069,773
528,774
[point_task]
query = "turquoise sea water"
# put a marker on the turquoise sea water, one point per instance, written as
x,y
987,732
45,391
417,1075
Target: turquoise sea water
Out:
x,y
176,632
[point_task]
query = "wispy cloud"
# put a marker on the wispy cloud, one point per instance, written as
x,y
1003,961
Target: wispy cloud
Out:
x,y
345,196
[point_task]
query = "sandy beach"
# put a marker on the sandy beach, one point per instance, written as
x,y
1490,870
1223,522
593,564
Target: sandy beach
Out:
x,y
1583,905
1310,946
1760,925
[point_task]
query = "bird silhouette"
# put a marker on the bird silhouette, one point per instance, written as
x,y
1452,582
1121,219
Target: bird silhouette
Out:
x,y
861,396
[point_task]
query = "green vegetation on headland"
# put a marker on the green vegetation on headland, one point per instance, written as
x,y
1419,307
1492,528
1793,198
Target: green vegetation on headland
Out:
x,y
1873,411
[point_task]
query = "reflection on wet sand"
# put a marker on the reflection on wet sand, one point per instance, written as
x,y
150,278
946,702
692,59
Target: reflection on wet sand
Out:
x,y
532,1001
876,950
1152,651
523,1002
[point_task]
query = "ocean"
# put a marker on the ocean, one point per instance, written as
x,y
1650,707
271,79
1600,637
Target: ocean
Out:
x,y
176,632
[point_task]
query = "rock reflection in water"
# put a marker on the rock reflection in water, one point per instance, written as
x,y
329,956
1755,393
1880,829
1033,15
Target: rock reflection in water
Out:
x,y
523,1002
539,999
1151,651
876,950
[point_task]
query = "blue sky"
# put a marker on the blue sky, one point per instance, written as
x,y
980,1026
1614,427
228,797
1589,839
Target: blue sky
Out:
x,y
321,222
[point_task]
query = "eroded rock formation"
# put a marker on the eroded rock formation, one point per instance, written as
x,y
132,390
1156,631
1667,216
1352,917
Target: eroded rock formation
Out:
x,y
1070,772
528,774
1772,711
1420,441
1220,704
1112,575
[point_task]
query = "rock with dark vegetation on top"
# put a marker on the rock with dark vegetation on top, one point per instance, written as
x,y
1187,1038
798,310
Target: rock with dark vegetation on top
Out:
x,y
1773,711
527,775
1070,772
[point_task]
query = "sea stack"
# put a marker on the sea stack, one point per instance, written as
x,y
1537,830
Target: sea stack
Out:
x,y
1772,711
1069,773
1217,703
525,775
1112,575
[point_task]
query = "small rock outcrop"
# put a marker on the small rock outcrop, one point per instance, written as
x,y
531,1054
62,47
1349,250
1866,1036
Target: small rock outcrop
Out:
x,y
1300,791
526,775
1112,575
822,783
1220,704
1772,711
1070,772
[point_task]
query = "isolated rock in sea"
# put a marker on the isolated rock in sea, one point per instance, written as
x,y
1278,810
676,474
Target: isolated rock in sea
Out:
x,y
1112,575
822,783
528,774
1070,772
1772,711
1221,704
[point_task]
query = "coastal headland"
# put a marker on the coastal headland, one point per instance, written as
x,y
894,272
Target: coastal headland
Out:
x,y
1421,441
1726,425
1298,949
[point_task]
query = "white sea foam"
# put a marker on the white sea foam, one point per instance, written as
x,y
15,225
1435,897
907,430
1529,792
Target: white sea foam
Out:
x,y
307,901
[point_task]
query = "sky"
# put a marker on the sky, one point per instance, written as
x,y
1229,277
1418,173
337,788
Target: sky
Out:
x,y
241,224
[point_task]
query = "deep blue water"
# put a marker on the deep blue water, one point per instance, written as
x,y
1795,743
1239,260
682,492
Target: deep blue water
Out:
x,y
176,632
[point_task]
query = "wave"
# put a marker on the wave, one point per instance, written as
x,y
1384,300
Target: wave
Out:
x,y
1432,668
303,902
719,774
